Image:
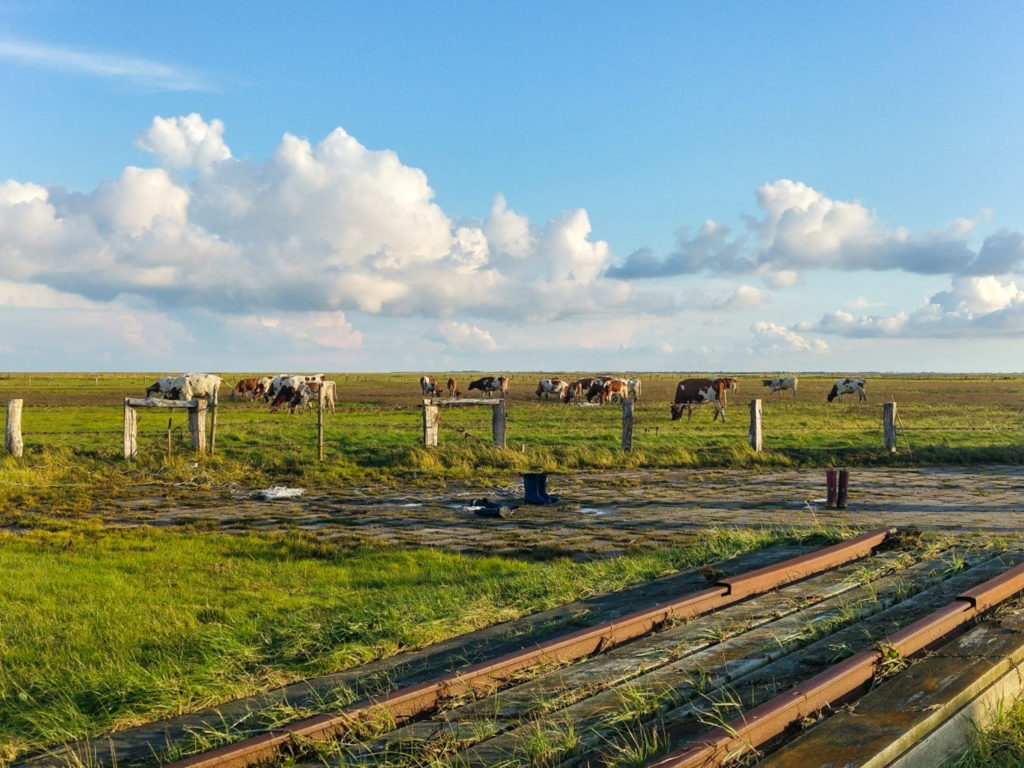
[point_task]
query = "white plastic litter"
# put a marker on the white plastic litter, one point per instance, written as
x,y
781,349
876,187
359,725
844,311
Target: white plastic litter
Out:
x,y
277,492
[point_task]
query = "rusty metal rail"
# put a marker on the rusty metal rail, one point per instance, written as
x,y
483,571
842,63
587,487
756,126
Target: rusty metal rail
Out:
x,y
769,720
487,676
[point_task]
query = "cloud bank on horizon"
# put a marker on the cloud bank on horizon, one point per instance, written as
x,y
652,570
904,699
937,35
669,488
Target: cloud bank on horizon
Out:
x,y
296,247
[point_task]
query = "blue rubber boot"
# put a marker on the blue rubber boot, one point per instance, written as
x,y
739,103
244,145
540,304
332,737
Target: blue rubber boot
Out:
x,y
543,490
531,487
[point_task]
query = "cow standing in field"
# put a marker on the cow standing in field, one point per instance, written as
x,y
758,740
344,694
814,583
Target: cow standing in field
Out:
x,y
731,385
489,384
453,389
548,387
161,387
428,385
847,386
189,386
633,388
691,392
245,388
306,392
779,383
578,389
613,389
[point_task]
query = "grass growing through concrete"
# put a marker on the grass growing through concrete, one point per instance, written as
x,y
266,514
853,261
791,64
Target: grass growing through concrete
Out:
x,y
1001,744
101,629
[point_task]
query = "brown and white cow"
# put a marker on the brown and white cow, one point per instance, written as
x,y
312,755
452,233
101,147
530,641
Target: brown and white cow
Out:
x,y
578,389
731,385
846,386
779,383
691,392
613,389
428,385
634,387
245,388
453,388
489,384
548,387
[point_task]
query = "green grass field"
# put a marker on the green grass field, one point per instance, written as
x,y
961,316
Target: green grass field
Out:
x,y
73,427
103,628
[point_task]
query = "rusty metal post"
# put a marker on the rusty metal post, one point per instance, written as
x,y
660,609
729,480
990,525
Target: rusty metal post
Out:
x,y
831,487
844,481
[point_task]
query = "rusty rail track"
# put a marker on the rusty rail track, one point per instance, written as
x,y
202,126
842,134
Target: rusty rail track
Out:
x,y
767,721
410,702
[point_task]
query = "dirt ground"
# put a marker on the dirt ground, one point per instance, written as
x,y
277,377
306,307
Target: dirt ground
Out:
x,y
601,513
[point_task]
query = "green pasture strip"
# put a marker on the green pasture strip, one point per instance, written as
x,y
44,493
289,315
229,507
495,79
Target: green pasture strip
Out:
x,y
101,629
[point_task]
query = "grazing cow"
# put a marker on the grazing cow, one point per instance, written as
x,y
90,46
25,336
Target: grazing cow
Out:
x,y
780,383
578,389
189,386
633,389
847,387
488,384
548,387
612,389
429,386
308,392
288,390
245,388
262,387
161,387
691,392
273,388
453,388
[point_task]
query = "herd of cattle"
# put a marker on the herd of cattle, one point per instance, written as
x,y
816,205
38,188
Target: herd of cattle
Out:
x,y
602,389
300,392
294,392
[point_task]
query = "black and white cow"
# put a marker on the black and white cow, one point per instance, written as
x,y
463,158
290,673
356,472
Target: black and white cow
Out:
x,y
189,386
847,386
779,383
161,387
691,392
549,387
489,384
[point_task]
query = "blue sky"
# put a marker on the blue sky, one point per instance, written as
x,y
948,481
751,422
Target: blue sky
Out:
x,y
529,186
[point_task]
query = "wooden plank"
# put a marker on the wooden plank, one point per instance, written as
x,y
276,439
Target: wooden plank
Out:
x,y
155,402
15,444
465,401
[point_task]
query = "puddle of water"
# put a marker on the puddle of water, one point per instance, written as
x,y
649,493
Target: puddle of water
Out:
x,y
595,512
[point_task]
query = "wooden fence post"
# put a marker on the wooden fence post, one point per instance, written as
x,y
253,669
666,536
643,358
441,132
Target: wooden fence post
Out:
x,y
431,419
498,424
15,445
755,437
627,424
889,426
197,425
131,425
320,421
213,425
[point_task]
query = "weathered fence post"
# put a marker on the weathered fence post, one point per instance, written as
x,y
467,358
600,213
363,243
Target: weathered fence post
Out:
x,y
889,425
755,438
131,425
498,423
320,421
627,424
15,445
431,419
197,425
213,425
169,435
